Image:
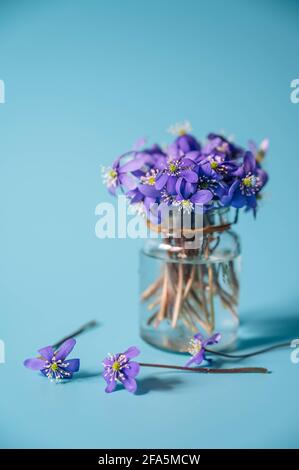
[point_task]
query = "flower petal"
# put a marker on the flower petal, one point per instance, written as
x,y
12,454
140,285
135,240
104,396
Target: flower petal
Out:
x,y
199,336
136,198
132,352
108,361
233,187
130,384
133,165
240,172
47,353
111,385
45,372
194,155
73,365
202,196
34,363
189,189
132,369
171,184
173,150
65,349
251,201
213,339
190,176
191,361
149,202
187,143
161,164
161,181
249,163
178,186
199,357
116,163
112,190
263,176
238,199
127,181
148,190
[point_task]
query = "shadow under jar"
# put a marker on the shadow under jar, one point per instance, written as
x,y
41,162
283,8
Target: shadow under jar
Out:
x,y
185,291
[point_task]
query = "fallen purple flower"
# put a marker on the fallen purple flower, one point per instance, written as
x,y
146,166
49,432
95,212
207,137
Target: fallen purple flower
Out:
x,y
197,347
119,368
53,364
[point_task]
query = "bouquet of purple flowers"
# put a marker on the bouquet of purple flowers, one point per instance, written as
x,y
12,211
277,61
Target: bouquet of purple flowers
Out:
x,y
188,176
188,173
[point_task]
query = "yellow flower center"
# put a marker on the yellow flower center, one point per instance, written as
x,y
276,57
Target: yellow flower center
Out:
x,y
172,167
54,366
112,174
151,180
182,131
247,181
214,165
195,346
116,366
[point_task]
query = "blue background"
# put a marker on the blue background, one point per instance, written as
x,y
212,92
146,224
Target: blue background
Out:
x,y
84,79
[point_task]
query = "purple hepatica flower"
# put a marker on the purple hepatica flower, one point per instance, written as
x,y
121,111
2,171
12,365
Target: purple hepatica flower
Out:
x,y
147,185
250,180
186,143
145,199
203,192
119,368
173,169
217,166
260,151
151,157
197,347
119,175
217,187
144,196
188,197
53,364
218,144
141,202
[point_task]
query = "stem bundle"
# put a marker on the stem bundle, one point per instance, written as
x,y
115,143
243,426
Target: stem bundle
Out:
x,y
191,282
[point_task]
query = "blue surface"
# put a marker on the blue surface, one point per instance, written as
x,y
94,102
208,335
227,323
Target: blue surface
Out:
x,y
83,81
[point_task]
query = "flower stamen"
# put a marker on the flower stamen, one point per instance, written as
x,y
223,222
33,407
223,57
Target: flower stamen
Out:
x,y
149,178
250,185
180,128
109,176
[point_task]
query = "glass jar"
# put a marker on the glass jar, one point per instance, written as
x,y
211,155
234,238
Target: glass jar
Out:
x,y
185,291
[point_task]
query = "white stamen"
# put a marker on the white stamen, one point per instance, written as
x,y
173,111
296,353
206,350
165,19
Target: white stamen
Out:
x,y
109,176
185,205
180,128
195,346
